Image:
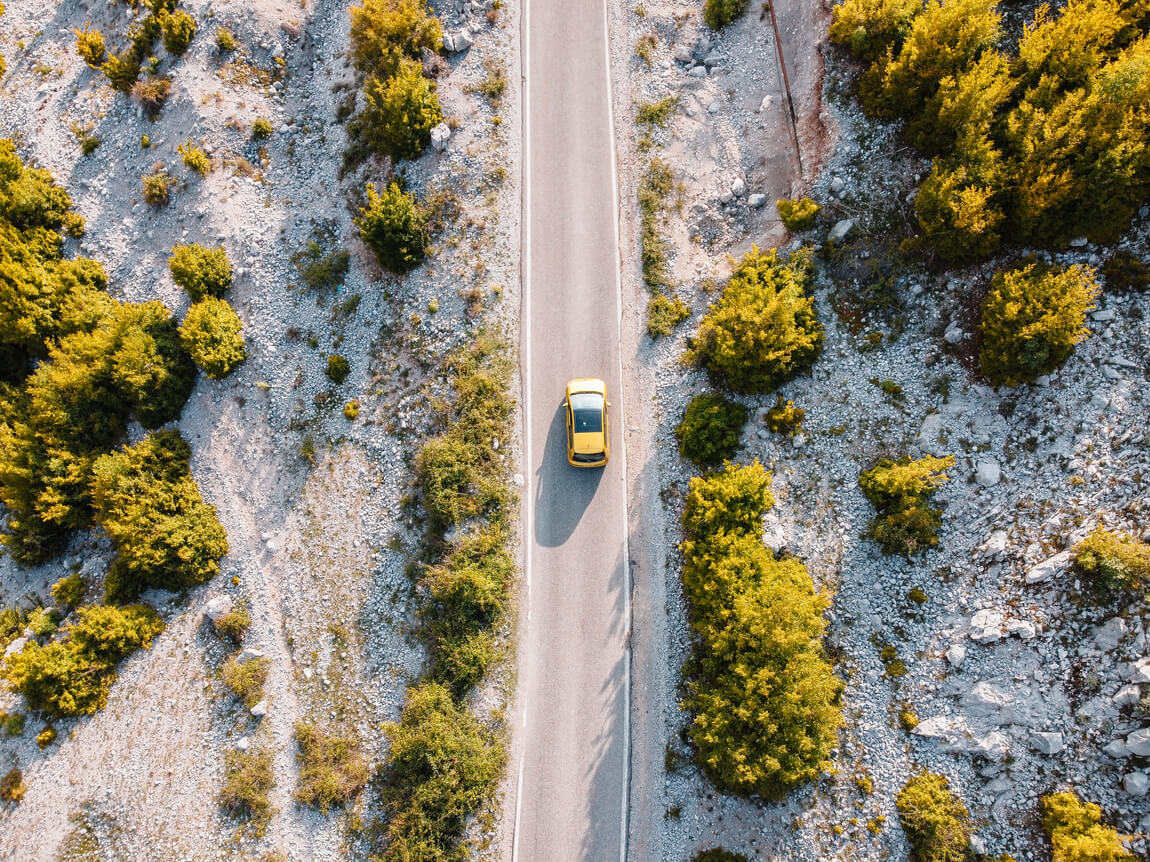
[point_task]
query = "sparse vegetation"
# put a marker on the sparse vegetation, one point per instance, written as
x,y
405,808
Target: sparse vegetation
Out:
x,y
784,417
900,491
12,787
248,783
211,333
225,41
319,270
246,679
936,822
657,113
654,188
261,128
194,158
157,186
151,93
235,623
394,226
664,313
332,769
709,432
1109,563
202,272
69,591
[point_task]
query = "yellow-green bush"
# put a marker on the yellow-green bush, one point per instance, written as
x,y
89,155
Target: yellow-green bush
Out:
x,y
178,29
900,491
870,27
385,32
235,623
121,71
248,782
246,681
1077,834
763,330
655,186
399,112
90,46
194,158
157,187
798,214
211,333
719,13
1032,317
332,769
12,787
68,592
1109,562
151,93
709,432
759,651
394,226
664,313
202,272
784,417
936,822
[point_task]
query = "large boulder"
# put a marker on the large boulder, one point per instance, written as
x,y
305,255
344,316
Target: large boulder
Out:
x,y
986,625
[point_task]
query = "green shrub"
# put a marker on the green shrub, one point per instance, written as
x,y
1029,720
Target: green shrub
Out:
x,y
45,737
784,417
1125,271
319,270
246,681
1077,834
337,369
157,187
12,787
717,854
332,769
709,432
394,226
654,187
234,624
869,27
248,782
261,128
121,71
202,272
42,622
13,723
1110,563
211,333
12,623
225,41
936,823
444,766
151,93
351,410
1031,319
385,32
399,112
178,28
90,46
719,13
656,113
664,313
763,330
195,158
165,535
899,491
798,215
143,35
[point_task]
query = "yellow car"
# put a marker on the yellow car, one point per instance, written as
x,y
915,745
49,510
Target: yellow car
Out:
x,y
586,410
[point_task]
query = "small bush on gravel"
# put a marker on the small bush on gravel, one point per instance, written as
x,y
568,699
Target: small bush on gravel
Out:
x,y
202,272
1125,271
709,432
248,782
332,769
178,28
45,737
151,93
194,158
656,113
899,490
69,592
719,13
337,369
798,215
318,269
13,723
936,823
1077,834
157,186
121,71
385,32
784,417
246,681
394,226
164,533
12,787
664,313
261,128
763,330
235,623
225,40
1110,563
717,854
655,186
90,46
444,765
399,112
211,333
1031,319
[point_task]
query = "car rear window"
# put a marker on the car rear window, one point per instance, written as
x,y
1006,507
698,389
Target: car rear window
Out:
x,y
587,412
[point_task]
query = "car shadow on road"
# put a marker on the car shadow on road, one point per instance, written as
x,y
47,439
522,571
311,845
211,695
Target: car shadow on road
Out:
x,y
562,492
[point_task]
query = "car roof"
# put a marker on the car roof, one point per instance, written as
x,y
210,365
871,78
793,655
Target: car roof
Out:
x,y
587,384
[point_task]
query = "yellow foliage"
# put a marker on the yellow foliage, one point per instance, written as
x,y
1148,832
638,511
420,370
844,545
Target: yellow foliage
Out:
x,y
1077,834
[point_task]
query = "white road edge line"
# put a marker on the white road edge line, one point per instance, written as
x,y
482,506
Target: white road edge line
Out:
x,y
525,362
621,423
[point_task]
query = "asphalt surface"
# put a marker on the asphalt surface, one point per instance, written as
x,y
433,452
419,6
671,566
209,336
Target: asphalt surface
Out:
x,y
571,740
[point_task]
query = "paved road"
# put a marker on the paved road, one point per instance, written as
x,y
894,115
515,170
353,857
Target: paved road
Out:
x,y
571,746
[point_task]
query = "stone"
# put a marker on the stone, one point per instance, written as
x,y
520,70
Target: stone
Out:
x,y
1138,742
260,709
1117,749
1042,572
725,197
243,743
837,186
1104,314
697,71
996,545
942,727
714,107
738,187
987,473
683,54
703,46
955,655
765,105
993,746
1135,783
1128,695
439,136
774,534
1046,742
986,626
1078,242
977,845
1108,635
712,59
1023,628
757,200
953,334
985,700
248,654
518,480
841,230
16,646
1139,671
218,607
308,673
277,53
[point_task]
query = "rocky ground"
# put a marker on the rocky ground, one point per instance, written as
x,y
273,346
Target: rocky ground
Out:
x,y
318,550
1019,687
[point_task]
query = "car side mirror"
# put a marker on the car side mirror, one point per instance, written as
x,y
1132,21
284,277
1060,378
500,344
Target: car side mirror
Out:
x,y
608,403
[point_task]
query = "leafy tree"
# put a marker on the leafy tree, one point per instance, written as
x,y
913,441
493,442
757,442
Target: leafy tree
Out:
x,y
178,28
200,271
1077,833
165,535
400,112
394,226
1110,562
444,766
936,822
1069,46
709,432
211,333
719,13
900,491
385,32
1031,319
763,330
871,27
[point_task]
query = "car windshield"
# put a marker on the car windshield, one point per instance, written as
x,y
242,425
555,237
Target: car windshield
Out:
x,y
587,412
